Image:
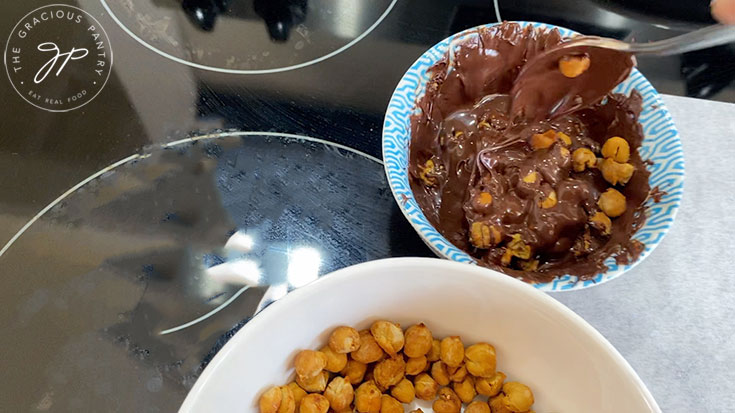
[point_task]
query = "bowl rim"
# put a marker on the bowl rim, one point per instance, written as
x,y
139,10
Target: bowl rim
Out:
x,y
463,256
345,275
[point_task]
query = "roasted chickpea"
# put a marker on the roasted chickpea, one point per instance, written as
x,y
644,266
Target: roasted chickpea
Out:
x,y
288,401
344,340
601,222
390,405
415,365
335,361
484,235
582,159
477,407
447,401
404,391
471,370
309,363
270,401
564,152
482,201
315,384
496,404
549,201
428,173
465,389
418,341
389,371
612,203
439,373
543,140
314,403
573,66
564,138
528,265
388,335
369,350
515,248
480,360
457,374
368,398
518,397
425,387
490,386
530,178
297,391
435,352
369,374
452,351
616,172
354,371
339,393
617,149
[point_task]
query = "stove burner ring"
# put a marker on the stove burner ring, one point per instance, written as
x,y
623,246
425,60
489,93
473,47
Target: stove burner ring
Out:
x,y
249,71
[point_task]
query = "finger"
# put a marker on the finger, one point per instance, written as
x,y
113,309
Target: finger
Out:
x,y
724,11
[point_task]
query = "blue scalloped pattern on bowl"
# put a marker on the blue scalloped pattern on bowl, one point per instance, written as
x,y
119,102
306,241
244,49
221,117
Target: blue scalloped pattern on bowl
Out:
x,y
661,145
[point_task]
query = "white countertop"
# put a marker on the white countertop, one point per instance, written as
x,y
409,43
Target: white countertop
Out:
x,y
673,316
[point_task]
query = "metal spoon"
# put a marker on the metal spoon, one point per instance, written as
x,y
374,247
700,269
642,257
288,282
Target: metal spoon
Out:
x,y
540,91
710,36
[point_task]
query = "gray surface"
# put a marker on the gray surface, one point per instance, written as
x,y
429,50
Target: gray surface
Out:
x,y
89,288
671,317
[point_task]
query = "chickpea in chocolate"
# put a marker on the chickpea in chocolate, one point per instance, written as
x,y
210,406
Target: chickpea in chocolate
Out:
x,y
535,173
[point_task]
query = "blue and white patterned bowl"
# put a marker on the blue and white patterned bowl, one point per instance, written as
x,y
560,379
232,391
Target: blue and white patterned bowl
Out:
x,y
661,145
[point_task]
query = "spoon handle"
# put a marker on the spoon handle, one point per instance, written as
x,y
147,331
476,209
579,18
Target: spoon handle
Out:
x,y
714,35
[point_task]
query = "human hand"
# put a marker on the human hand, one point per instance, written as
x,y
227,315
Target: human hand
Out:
x,y
723,11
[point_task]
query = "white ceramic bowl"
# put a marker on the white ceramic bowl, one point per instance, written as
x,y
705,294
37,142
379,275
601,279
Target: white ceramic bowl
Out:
x,y
569,366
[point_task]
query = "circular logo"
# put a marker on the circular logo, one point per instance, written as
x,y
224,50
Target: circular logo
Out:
x,y
58,58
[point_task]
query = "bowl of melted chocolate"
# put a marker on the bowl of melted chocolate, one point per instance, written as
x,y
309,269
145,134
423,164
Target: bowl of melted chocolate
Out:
x,y
508,146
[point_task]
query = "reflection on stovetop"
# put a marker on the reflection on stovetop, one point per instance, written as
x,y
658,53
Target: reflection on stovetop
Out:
x,y
280,16
355,128
203,13
247,36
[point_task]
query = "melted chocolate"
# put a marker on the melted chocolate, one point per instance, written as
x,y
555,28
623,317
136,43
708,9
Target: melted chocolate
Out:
x,y
472,130
657,194
541,91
